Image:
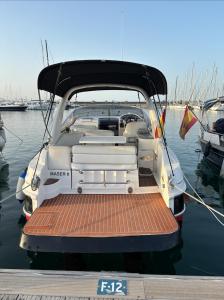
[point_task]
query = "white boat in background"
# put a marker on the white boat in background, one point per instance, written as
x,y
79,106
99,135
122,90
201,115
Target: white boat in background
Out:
x,y
177,106
37,105
218,107
2,135
212,135
12,106
103,182
3,162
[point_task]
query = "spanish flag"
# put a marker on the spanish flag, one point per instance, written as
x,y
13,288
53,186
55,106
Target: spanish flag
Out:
x,y
188,121
160,128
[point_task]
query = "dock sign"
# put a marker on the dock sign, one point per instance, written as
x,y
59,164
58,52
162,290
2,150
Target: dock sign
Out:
x,y
112,287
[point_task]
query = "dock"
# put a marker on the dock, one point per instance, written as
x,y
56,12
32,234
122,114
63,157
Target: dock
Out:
x,y
72,285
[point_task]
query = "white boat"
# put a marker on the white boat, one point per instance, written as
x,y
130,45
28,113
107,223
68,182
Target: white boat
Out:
x,y
177,106
103,182
37,105
3,162
12,106
2,135
212,135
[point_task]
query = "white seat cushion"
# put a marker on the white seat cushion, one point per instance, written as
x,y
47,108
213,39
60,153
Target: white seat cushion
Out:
x,y
93,131
59,158
104,157
131,129
117,167
104,149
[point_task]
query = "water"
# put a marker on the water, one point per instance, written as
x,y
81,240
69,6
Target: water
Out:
x,y
202,246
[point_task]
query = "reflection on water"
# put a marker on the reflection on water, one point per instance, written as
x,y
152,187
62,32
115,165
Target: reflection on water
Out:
x,y
210,180
4,176
144,263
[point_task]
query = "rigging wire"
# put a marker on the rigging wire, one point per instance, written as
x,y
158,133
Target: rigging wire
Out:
x,y
42,113
158,117
39,96
48,118
163,136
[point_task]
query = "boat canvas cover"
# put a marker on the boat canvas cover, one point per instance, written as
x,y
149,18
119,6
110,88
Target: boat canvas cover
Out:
x,y
61,77
209,103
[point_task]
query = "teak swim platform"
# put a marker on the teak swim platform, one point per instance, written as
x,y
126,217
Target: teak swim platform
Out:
x,y
101,223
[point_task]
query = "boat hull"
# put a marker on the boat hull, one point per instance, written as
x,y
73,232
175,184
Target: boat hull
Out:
x,y
13,108
61,244
212,153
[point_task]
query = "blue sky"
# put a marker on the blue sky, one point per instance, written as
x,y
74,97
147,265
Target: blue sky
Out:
x,y
169,35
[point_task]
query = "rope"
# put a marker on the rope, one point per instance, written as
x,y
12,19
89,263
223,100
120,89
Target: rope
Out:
x,y
18,147
13,134
10,196
201,201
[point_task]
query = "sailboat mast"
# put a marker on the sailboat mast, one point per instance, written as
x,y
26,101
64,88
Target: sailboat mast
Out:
x,y
46,48
175,92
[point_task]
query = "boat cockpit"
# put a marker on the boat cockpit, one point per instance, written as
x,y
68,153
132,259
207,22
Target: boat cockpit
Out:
x,y
107,148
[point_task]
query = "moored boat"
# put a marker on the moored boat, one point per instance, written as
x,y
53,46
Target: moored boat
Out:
x,y
37,105
12,106
105,182
212,135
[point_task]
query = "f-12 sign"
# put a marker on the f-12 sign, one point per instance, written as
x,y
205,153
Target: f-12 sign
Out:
x,y
112,287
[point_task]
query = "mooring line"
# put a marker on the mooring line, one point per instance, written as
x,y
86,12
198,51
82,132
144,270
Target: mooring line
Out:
x,y
10,131
201,201
10,196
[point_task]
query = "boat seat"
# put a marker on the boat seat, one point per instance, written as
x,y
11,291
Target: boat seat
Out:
x,y
59,158
104,168
83,127
104,157
98,132
91,130
134,129
72,138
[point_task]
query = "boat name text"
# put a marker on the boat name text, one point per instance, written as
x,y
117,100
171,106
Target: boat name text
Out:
x,y
59,173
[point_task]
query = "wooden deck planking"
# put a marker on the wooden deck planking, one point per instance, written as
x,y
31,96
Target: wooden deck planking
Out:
x,y
102,216
56,285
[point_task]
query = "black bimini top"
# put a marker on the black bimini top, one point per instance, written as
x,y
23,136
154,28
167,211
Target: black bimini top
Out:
x,y
61,77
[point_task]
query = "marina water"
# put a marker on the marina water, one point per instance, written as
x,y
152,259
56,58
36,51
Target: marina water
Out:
x,y
200,251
